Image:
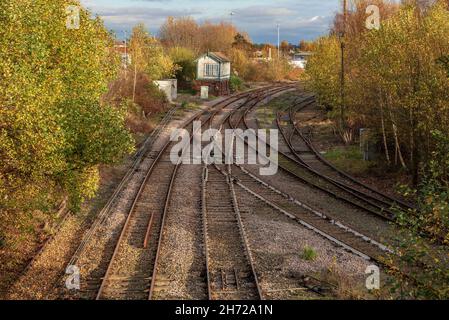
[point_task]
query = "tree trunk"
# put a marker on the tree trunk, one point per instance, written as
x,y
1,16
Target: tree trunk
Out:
x,y
384,134
135,82
396,136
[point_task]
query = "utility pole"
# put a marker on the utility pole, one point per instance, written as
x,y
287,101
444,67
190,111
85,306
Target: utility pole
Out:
x,y
232,17
342,75
126,54
279,40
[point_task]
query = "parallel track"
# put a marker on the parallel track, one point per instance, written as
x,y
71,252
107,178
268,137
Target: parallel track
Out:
x,y
333,230
131,270
158,281
285,204
315,179
302,149
300,146
343,235
230,267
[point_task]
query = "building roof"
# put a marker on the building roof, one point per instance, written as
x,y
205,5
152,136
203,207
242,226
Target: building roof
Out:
x,y
120,47
217,56
304,53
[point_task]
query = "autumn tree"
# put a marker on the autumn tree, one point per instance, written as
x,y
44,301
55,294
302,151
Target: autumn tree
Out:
x,y
199,38
356,16
184,58
397,84
217,37
306,46
394,78
180,32
148,54
242,43
54,132
285,47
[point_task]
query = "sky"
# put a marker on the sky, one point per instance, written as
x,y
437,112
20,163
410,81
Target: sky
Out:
x,y
298,19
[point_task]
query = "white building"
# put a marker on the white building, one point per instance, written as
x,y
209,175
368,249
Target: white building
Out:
x,y
214,71
299,60
213,66
122,49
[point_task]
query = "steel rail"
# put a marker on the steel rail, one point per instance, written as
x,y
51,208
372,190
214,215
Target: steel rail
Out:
x,y
314,185
344,228
364,197
306,207
381,262
224,103
390,200
132,210
205,177
405,206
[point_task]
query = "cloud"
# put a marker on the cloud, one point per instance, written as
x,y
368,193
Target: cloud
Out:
x,y
299,19
124,18
263,12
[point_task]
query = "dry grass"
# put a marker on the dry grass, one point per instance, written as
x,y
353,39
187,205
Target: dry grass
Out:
x,y
148,101
346,286
22,234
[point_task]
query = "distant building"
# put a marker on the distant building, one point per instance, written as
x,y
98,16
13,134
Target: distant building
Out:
x,y
123,50
299,60
169,87
262,56
214,71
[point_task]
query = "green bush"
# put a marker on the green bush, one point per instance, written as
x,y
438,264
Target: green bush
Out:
x,y
236,83
432,217
309,254
54,131
184,58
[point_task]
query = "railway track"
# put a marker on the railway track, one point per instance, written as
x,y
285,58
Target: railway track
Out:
x,y
313,178
128,269
334,231
230,267
248,185
304,151
331,229
137,159
306,155
164,274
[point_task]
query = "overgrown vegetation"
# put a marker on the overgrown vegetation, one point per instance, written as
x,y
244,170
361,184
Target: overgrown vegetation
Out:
x,y
396,83
185,40
54,132
236,83
348,159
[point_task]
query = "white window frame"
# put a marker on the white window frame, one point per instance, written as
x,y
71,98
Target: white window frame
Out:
x,y
211,70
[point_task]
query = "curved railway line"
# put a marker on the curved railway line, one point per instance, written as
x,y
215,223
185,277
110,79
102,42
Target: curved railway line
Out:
x,y
137,159
342,235
318,181
128,268
331,229
306,153
335,231
307,156
130,271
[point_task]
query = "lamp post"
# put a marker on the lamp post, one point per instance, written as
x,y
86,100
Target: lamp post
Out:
x,y
279,40
342,73
126,54
232,17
